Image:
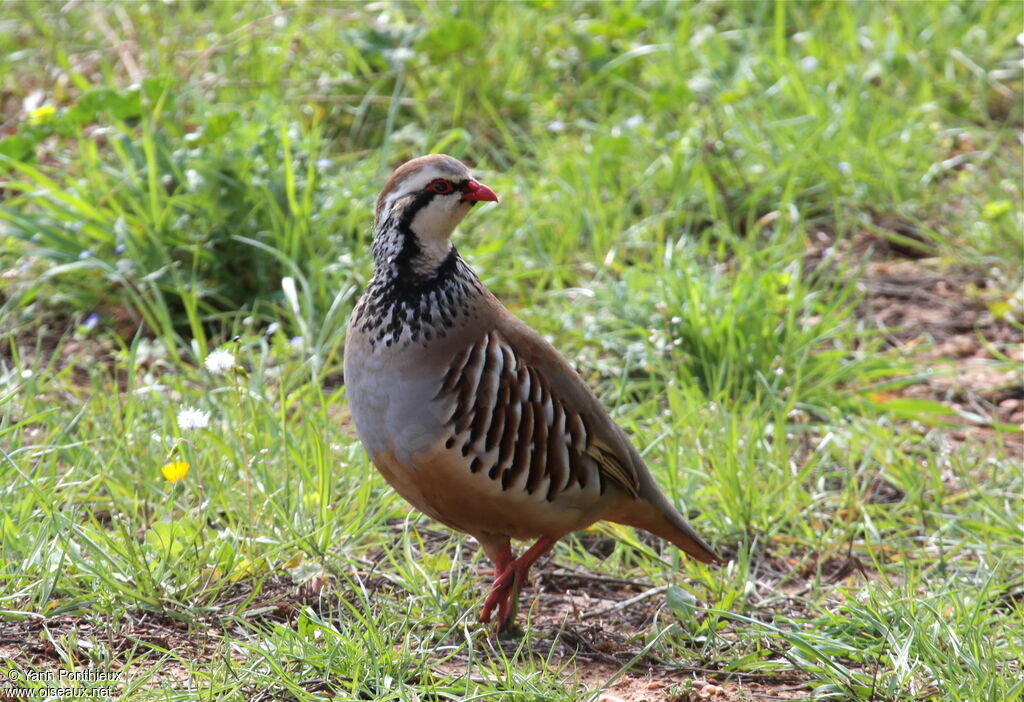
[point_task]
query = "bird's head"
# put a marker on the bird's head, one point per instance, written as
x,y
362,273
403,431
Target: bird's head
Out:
x,y
420,206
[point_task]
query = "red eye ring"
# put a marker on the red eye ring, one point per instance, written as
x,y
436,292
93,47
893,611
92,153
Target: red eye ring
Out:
x,y
440,186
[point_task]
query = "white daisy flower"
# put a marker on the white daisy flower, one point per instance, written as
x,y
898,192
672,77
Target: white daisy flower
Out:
x,y
219,361
192,418
634,122
194,179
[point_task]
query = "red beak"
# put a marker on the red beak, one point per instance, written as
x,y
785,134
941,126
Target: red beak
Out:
x,y
478,192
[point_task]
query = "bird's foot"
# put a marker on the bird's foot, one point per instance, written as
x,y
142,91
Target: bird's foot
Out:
x,y
504,597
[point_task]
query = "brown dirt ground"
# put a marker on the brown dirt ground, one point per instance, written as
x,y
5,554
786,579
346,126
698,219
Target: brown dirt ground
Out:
x,y
945,324
577,615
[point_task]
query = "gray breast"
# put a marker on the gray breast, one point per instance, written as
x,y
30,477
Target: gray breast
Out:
x,y
392,391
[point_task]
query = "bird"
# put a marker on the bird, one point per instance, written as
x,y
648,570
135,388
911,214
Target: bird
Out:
x,y
470,414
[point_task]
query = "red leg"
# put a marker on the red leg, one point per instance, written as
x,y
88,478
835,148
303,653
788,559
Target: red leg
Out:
x,y
501,560
498,550
505,593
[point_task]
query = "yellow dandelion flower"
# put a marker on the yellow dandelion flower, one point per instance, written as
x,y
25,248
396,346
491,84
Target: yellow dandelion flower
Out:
x,y
175,471
243,568
42,115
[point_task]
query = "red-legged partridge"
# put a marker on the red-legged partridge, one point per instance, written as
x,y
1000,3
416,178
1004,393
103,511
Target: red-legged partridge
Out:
x,y
470,414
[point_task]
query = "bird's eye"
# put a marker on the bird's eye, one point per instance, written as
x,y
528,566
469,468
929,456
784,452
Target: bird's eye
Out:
x,y
441,186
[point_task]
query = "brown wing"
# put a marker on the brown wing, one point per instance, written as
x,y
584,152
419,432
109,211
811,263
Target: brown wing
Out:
x,y
512,424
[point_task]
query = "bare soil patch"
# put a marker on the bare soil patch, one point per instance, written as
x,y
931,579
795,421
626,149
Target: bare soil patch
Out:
x,y
974,358
954,324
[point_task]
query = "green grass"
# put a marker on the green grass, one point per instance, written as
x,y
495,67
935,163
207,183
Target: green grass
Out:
x,y
670,176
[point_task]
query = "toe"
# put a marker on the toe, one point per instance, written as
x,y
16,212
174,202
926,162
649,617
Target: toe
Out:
x,y
496,600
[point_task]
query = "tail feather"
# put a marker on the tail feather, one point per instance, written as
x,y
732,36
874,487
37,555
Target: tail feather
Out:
x,y
684,537
664,521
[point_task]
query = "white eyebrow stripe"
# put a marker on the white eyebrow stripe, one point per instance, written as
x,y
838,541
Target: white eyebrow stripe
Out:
x,y
419,180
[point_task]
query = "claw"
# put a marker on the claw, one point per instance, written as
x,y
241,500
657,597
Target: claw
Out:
x,y
499,594
504,595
